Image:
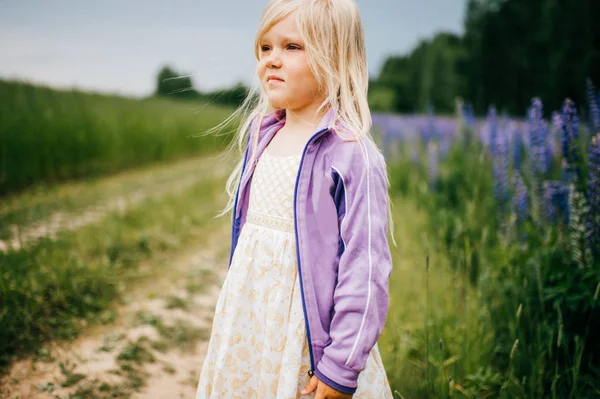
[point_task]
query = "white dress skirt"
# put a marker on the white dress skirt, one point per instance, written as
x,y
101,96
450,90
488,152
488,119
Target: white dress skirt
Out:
x,y
258,346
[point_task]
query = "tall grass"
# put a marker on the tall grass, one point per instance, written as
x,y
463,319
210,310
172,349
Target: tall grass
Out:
x,y
437,334
49,136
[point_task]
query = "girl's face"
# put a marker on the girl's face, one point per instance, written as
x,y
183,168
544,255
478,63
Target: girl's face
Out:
x,y
283,68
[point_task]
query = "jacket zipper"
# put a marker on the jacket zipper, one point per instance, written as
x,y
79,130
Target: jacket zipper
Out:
x,y
312,360
233,231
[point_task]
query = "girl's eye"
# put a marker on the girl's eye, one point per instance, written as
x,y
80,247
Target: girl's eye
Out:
x,y
291,47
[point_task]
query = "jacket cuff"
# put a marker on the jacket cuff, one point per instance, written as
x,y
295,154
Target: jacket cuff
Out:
x,y
341,378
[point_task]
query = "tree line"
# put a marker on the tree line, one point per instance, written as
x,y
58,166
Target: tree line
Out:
x,y
510,51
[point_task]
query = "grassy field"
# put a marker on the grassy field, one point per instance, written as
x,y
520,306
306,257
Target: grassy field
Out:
x,y
49,136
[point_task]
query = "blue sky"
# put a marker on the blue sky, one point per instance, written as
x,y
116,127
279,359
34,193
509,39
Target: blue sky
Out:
x,y
118,46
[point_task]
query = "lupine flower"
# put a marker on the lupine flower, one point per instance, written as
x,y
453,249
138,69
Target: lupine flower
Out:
x,y
567,175
552,149
556,122
428,131
593,219
570,127
549,211
578,233
467,116
556,201
593,106
555,137
538,133
491,129
520,201
432,163
500,167
517,148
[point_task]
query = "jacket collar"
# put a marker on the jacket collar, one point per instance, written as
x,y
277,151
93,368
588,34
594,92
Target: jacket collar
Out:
x,y
277,117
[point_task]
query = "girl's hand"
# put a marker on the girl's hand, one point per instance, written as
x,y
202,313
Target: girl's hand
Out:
x,y
324,391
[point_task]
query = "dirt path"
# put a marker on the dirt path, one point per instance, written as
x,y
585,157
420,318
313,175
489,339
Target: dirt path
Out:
x,y
123,191
153,349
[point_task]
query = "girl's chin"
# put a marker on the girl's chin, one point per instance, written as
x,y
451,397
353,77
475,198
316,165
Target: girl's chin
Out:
x,y
279,102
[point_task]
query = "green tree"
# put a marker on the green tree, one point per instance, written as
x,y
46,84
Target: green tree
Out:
x,y
428,75
170,83
520,49
510,52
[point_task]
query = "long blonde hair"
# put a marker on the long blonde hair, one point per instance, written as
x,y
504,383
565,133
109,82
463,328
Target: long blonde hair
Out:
x,y
333,35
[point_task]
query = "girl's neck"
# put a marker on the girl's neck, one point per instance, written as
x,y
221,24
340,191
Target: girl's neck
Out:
x,y
304,120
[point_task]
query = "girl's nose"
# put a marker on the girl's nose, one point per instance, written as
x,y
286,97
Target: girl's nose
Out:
x,y
274,61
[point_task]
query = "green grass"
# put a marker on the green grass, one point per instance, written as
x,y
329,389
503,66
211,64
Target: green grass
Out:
x,y
179,334
437,333
51,136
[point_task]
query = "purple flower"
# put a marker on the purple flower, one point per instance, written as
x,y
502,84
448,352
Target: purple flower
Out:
x,y
500,168
570,138
429,131
556,201
517,148
538,136
432,164
593,219
567,175
556,121
520,202
468,116
491,129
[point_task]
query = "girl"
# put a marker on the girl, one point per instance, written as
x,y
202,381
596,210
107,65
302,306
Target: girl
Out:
x,y
306,294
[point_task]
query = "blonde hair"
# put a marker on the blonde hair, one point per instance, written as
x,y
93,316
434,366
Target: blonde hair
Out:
x,y
333,36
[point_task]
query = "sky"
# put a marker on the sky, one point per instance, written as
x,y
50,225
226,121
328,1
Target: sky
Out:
x,y
118,46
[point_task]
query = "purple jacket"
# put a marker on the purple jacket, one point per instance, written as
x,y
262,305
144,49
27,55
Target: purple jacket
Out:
x,y
344,261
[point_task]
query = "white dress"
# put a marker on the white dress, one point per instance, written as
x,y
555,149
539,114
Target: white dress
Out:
x,y
258,346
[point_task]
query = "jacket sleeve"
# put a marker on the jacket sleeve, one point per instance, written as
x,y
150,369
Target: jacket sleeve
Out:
x,y
361,296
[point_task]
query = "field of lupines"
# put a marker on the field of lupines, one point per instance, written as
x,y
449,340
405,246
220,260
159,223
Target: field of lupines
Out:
x,y
516,204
